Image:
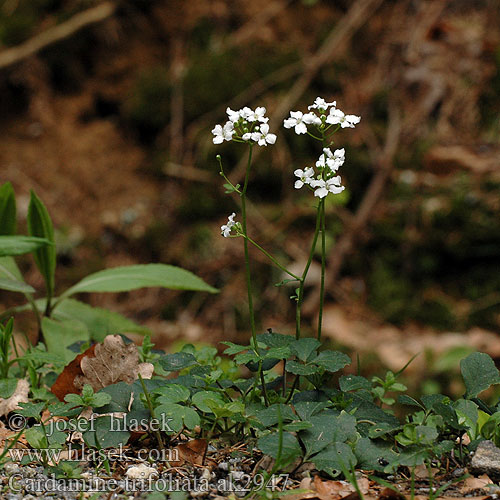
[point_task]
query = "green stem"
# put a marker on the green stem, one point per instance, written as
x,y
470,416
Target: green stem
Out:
x,y
152,411
272,259
300,294
323,265
251,311
243,196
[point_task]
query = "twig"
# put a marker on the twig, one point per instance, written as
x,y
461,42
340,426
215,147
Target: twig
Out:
x,y
56,34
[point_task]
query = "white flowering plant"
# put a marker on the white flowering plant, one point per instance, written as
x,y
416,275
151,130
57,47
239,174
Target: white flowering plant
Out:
x,y
251,127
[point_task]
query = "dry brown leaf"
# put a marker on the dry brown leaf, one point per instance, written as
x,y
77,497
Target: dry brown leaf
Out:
x,y
476,483
20,396
192,452
113,362
388,494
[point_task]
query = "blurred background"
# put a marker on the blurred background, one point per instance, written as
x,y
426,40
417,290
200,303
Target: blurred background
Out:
x,y
106,109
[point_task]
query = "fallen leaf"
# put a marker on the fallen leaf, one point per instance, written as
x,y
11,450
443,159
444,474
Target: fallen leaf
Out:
x,y
65,383
101,365
192,452
20,396
476,483
388,494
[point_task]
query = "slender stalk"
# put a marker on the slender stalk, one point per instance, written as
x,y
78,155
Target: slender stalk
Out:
x,y
243,196
300,293
152,411
323,265
251,311
272,259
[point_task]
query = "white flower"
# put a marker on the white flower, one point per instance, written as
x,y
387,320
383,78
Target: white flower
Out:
x,y
226,228
246,112
258,115
296,121
322,187
305,177
233,116
333,160
320,103
336,116
261,135
222,134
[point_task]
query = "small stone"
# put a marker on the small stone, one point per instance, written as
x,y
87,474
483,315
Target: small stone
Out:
x,y
223,466
11,468
459,472
140,471
237,475
486,460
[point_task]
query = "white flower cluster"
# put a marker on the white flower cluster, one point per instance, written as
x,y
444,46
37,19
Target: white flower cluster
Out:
x,y
324,181
245,125
299,120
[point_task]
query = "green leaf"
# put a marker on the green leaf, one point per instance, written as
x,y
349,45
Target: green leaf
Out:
x,y
7,210
31,410
19,245
290,448
126,278
272,339
7,387
353,383
40,225
100,322
300,369
306,409
202,400
178,416
59,335
269,416
36,437
332,361
172,393
327,428
107,432
479,373
373,455
9,269
303,348
337,457
15,286
177,361
234,348
404,399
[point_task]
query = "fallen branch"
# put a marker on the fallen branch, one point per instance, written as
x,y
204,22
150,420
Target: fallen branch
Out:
x,y
55,34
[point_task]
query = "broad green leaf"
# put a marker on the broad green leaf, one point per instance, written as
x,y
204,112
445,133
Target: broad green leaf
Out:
x,y
177,361
15,286
374,455
468,414
300,369
328,427
126,278
177,416
19,245
107,432
40,225
202,400
269,416
100,322
234,348
303,348
272,339
36,437
31,410
479,373
353,383
306,409
9,269
335,458
7,387
59,335
7,210
332,361
172,393
290,448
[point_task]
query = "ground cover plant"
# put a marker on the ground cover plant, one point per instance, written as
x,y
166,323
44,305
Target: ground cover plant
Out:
x,y
84,394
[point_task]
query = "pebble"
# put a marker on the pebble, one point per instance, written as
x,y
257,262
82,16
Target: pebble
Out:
x,y
224,466
486,460
141,471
